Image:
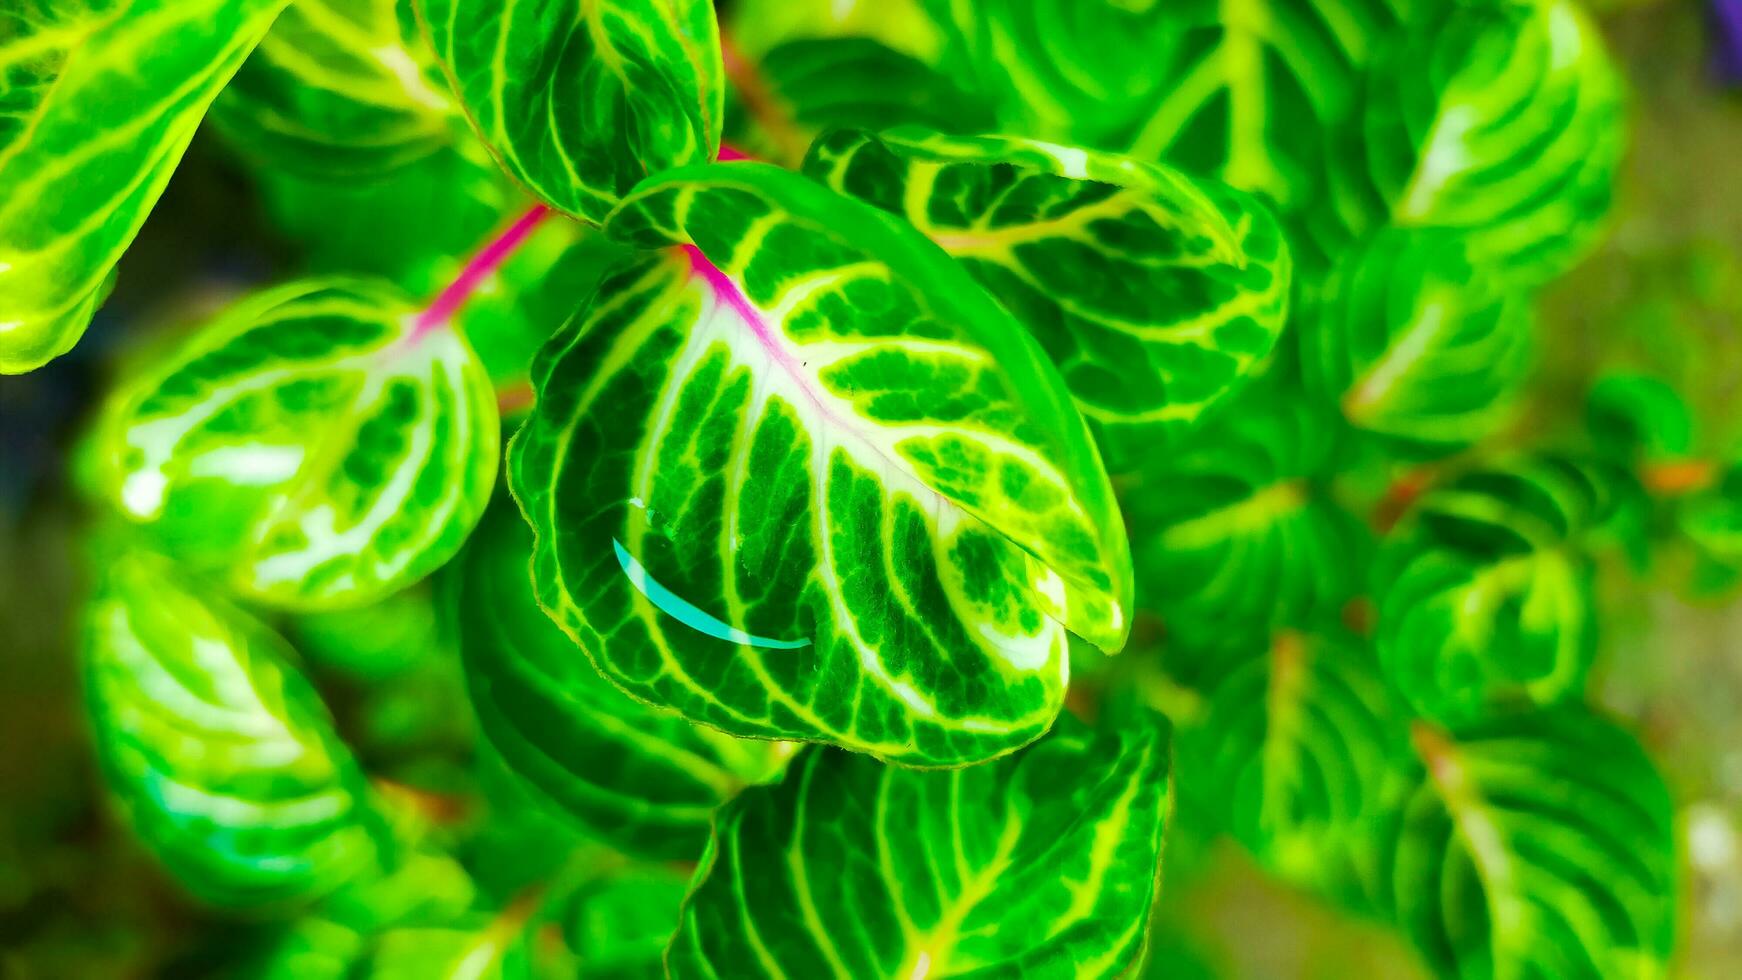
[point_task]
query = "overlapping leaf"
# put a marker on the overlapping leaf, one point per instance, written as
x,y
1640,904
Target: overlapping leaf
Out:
x,y
1042,864
1502,121
321,444
1537,846
1417,343
98,100
1155,294
1293,753
580,99
1237,527
797,476
219,751
644,779
339,89
1485,595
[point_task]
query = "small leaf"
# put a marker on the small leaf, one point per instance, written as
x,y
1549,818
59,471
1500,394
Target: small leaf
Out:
x,y
1633,417
100,99
1712,518
1537,846
1504,122
797,476
339,89
618,927
581,99
1416,343
645,780
319,445
1155,294
220,752
1041,864
1485,595
1237,528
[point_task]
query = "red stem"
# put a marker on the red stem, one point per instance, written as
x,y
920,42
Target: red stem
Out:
x,y
481,267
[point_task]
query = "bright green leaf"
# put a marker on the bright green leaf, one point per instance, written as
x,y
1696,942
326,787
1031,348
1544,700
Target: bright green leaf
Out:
x,y
797,476
1154,293
319,445
581,99
339,89
645,780
98,100
220,752
1537,846
1417,343
1042,864
1485,593
1634,417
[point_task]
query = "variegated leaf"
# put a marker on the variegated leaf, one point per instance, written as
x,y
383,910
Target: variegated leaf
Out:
x,y
1043,864
797,476
98,100
340,89
580,99
1417,343
321,444
1485,593
1154,293
1540,845
643,779
1502,121
220,752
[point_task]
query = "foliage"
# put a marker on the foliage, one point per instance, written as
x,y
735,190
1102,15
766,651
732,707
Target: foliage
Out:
x,y
1217,352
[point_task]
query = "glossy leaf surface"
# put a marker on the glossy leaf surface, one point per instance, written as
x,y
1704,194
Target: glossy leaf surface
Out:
x,y
1154,293
220,752
641,778
581,99
797,476
1042,864
1417,343
98,100
1485,595
315,446
1538,846
339,89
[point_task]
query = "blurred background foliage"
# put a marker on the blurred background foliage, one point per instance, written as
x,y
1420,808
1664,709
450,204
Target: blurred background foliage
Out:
x,y
80,898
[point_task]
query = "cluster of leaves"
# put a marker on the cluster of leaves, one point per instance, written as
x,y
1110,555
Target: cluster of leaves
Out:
x,y
826,473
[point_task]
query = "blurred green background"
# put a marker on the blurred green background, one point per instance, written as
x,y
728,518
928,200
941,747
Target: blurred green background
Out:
x,y
78,898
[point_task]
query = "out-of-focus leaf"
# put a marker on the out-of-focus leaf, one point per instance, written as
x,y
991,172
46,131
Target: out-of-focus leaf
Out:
x,y
1417,343
220,752
797,476
1041,864
340,89
1236,528
581,99
98,100
1634,417
645,780
373,642
1154,293
319,445
1537,846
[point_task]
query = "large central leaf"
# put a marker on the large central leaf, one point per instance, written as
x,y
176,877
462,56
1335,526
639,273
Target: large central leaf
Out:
x,y
798,476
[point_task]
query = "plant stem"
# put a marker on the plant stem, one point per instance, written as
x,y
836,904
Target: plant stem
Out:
x,y
479,268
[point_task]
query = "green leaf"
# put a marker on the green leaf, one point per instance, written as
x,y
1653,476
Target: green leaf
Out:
x,y
98,100
220,752
1042,864
1485,594
1537,846
581,99
373,643
1634,417
1503,121
645,780
1237,528
339,89
1712,518
797,476
1155,294
618,927
1416,343
319,445
1291,753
